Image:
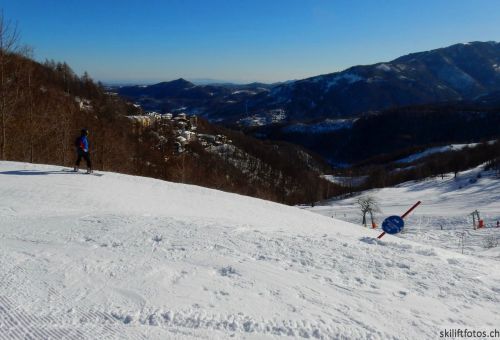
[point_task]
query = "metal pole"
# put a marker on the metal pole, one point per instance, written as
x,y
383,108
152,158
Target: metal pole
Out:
x,y
411,209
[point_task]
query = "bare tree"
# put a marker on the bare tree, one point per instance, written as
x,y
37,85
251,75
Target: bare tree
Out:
x,y
367,205
9,38
28,77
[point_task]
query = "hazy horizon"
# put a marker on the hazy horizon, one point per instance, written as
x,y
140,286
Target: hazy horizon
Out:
x,y
241,42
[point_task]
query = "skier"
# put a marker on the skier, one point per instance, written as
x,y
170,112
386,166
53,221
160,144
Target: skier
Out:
x,y
82,150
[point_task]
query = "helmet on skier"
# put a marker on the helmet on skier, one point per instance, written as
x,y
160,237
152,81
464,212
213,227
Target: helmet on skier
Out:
x,y
85,132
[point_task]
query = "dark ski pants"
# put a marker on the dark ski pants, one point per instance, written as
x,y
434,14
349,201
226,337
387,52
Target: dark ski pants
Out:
x,y
84,155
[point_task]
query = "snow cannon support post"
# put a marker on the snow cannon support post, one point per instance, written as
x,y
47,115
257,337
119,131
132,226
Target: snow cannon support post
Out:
x,y
401,218
480,223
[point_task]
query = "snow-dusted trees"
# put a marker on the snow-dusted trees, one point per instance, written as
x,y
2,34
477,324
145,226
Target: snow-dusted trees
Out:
x,y
367,205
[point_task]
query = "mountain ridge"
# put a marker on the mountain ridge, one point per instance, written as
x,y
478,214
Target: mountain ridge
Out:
x,y
457,72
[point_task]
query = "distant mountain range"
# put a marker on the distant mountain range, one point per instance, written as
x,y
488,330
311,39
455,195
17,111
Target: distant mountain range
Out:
x,y
307,111
457,72
182,95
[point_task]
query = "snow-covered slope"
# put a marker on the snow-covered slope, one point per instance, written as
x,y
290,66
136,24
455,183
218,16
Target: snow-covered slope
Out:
x,y
123,257
444,215
438,149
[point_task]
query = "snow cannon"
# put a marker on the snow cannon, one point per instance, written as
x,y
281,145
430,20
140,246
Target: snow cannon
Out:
x,y
475,215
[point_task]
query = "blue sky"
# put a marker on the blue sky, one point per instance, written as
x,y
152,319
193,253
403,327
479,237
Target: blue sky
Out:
x,y
241,40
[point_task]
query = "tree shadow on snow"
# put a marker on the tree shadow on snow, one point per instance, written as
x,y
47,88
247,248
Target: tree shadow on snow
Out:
x,y
34,172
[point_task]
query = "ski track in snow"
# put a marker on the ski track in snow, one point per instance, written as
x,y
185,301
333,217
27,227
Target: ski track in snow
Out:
x,y
123,257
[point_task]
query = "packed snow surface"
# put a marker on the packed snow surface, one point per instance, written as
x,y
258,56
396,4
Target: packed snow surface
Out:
x,y
124,257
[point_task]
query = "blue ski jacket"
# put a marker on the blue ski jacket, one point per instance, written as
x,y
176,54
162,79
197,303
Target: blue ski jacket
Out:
x,y
84,144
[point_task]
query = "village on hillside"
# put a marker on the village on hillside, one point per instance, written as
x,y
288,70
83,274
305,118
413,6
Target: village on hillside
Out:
x,y
183,127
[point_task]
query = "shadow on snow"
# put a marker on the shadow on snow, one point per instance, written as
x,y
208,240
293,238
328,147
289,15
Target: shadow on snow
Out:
x,y
34,172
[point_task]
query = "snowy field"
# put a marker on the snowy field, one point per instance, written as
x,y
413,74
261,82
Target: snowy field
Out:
x,y
439,149
123,257
443,218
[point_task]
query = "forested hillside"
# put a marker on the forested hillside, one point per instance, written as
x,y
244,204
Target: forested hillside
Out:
x,y
396,130
44,105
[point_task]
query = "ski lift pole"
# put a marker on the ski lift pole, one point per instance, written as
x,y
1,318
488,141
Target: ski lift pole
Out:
x,y
403,216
